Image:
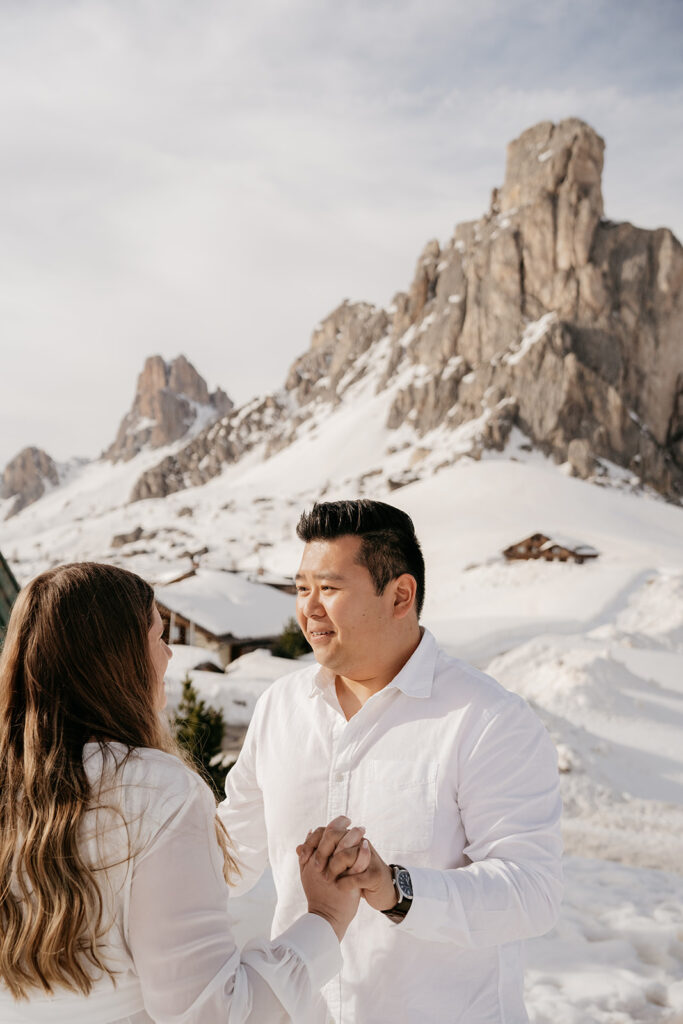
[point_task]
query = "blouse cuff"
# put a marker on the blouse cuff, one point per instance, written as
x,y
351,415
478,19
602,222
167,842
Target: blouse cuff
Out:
x,y
314,940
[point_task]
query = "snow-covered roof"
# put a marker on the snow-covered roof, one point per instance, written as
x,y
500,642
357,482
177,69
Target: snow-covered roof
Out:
x,y
273,579
563,541
556,540
226,604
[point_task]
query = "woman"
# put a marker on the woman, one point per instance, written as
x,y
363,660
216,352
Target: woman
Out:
x,y
112,863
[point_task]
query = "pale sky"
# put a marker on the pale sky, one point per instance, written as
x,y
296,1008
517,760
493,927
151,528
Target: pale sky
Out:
x,y
212,178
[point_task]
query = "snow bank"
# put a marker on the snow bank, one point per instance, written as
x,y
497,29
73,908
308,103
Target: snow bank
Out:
x,y
616,955
235,691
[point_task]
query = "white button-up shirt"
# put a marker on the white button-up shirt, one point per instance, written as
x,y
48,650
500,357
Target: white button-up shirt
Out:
x,y
454,778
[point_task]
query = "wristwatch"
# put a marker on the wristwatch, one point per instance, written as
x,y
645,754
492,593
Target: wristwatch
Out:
x,y
404,894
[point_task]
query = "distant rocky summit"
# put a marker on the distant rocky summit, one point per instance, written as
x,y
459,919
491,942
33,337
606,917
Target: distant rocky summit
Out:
x,y
540,315
170,400
26,478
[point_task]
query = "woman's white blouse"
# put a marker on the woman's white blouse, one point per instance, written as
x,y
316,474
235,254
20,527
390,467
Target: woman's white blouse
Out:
x,y
165,929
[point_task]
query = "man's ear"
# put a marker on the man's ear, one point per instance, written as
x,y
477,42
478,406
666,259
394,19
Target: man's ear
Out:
x,y
405,592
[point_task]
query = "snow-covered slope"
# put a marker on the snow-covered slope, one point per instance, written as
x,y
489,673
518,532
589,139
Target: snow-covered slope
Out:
x,y
244,514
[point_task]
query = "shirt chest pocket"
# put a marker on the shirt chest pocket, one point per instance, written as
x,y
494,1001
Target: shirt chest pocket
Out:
x,y
397,804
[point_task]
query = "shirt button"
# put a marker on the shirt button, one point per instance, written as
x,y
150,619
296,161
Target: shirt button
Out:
x,y
339,777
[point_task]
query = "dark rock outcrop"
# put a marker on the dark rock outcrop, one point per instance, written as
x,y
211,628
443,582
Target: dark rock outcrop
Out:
x,y
327,369
261,421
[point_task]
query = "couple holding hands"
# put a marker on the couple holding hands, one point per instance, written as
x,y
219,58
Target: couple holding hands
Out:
x,y
114,858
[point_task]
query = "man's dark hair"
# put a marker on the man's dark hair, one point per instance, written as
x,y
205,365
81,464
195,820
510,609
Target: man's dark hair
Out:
x,y
388,548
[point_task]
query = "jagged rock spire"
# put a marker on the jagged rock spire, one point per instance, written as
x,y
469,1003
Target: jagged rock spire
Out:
x,y
26,477
169,398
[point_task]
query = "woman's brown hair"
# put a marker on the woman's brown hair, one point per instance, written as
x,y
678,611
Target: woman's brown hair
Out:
x,y
75,668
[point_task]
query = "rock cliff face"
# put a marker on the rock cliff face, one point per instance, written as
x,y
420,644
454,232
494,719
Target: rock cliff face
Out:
x,y
540,315
171,399
27,477
567,325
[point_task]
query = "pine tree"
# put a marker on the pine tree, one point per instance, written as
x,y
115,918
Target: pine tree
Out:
x,y
199,729
291,642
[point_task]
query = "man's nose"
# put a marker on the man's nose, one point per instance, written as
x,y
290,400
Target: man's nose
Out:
x,y
310,604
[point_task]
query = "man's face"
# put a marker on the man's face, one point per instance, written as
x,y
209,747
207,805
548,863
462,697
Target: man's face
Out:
x,y
345,621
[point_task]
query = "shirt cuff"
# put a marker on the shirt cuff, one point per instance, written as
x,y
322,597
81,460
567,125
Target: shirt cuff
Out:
x,y
314,940
430,900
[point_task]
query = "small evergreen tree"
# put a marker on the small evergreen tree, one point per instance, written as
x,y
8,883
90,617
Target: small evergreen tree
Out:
x,y
199,729
291,643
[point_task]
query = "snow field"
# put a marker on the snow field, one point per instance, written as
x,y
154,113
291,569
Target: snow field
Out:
x,y
616,955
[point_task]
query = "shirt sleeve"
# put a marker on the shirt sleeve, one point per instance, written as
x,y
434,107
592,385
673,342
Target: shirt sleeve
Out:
x,y
179,936
510,804
242,813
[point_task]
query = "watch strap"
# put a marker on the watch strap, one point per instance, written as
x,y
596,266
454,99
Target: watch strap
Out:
x,y
404,900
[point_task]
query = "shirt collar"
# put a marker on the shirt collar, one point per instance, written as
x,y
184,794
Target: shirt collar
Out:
x,y
322,680
414,680
417,675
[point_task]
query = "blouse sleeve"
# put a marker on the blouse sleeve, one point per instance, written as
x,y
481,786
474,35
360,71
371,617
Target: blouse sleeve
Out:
x,y
190,969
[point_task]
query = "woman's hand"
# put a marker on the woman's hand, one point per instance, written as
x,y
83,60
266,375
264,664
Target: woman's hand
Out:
x,y
325,856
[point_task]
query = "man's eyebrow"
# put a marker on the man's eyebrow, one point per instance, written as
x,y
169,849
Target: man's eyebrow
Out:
x,y
321,576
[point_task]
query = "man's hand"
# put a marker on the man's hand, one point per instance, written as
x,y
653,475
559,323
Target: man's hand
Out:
x,y
376,881
365,870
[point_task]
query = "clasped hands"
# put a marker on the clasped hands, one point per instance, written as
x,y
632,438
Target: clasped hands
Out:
x,y
338,865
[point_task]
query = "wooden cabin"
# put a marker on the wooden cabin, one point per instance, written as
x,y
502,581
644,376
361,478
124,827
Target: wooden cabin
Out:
x,y
223,612
550,549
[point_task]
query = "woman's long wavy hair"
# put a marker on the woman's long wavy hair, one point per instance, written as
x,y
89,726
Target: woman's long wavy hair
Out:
x,y
75,668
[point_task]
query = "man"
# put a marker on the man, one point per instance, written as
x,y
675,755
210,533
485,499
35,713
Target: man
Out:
x,y
453,777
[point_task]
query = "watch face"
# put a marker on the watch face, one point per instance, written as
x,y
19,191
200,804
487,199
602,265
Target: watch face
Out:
x,y
404,884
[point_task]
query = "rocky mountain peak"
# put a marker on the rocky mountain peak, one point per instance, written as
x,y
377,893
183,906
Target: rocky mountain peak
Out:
x,y
183,379
540,315
170,400
554,160
26,478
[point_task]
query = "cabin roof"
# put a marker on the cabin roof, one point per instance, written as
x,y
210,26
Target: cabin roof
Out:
x,y
560,540
570,543
227,604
